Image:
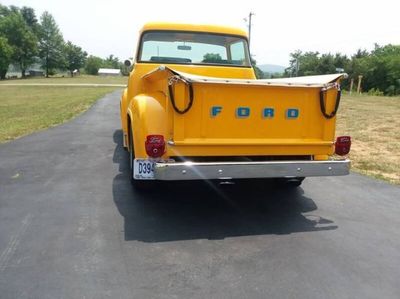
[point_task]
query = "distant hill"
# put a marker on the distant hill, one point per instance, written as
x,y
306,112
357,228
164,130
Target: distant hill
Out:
x,y
272,68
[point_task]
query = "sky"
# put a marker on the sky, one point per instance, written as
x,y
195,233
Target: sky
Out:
x,y
103,27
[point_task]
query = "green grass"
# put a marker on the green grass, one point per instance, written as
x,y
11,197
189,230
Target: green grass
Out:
x,y
26,109
86,79
374,124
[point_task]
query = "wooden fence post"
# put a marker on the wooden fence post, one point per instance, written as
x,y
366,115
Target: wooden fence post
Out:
x,y
351,85
359,84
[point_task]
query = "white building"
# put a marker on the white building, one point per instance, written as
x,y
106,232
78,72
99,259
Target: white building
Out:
x,y
109,72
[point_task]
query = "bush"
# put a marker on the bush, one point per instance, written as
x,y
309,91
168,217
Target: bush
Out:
x,y
391,90
375,92
93,64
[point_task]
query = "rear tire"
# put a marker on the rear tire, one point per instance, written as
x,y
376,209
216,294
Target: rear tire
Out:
x,y
290,183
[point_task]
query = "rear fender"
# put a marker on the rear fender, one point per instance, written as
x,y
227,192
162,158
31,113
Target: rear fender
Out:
x,y
148,116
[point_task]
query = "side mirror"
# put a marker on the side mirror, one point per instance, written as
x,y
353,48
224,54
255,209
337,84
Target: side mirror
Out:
x,y
128,63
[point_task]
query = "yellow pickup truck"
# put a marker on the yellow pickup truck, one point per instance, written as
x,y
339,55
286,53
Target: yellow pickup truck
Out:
x,y
194,110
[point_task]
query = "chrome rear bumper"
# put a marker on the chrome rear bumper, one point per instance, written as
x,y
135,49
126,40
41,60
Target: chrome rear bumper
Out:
x,y
246,170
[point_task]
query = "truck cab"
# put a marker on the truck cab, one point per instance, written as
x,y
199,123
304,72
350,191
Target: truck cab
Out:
x,y
194,110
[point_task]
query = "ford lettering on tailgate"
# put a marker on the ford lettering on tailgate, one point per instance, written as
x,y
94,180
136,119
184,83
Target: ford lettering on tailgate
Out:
x,y
245,112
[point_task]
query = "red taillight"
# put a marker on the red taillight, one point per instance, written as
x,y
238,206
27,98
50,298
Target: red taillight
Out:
x,y
155,145
342,145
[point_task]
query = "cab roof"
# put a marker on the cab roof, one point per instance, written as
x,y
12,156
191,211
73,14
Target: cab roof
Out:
x,y
193,27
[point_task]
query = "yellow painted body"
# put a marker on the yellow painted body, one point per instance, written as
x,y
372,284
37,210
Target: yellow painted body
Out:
x,y
146,107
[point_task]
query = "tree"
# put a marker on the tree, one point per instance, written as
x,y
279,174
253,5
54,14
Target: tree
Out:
x,y
212,58
29,16
50,44
112,62
292,70
20,37
379,68
259,73
341,61
360,54
325,65
384,70
4,11
303,64
93,63
6,52
75,57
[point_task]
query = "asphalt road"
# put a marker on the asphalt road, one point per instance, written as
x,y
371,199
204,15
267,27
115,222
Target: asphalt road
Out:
x,y
72,227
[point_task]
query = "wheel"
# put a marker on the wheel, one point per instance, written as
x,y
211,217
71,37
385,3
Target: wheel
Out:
x,y
139,185
290,183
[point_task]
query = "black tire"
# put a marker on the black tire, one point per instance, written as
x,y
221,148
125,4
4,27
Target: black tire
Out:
x,y
139,185
290,183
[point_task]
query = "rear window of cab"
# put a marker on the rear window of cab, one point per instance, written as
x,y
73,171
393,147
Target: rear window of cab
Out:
x,y
177,47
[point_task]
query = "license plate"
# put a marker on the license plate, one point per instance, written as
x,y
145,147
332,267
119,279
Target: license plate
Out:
x,y
144,169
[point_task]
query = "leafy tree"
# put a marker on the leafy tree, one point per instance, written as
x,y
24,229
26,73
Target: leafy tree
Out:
x,y
341,61
212,58
93,63
20,37
360,54
50,44
4,11
384,69
259,73
6,52
111,62
28,14
293,68
325,65
75,57
303,64
380,68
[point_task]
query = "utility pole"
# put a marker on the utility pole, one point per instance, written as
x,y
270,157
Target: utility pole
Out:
x,y
297,67
248,21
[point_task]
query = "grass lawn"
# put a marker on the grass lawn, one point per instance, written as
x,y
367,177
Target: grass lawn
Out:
x,y
68,80
374,125
25,109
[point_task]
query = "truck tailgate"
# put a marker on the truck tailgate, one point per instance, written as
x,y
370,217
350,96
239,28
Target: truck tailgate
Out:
x,y
251,117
